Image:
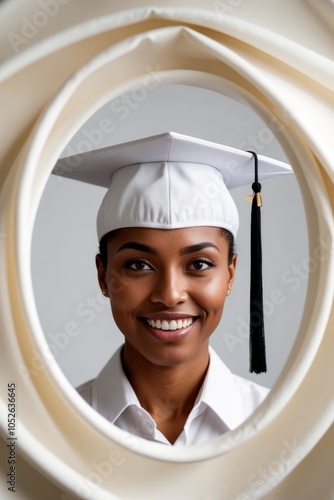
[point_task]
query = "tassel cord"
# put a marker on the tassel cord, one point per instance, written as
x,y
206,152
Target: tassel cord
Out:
x,y
257,339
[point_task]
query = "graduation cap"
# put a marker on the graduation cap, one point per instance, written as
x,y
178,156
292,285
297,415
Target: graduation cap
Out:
x,y
171,181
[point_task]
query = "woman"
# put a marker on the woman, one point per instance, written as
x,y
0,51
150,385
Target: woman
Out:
x,y
166,229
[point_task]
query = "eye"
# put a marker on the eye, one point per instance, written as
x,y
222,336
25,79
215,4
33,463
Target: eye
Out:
x,y
200,265
138,265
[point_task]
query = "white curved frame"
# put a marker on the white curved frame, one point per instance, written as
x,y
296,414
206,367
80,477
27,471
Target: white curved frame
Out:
x,y
56,448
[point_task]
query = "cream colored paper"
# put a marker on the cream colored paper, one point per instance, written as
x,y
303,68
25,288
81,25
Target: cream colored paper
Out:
x,y
61,60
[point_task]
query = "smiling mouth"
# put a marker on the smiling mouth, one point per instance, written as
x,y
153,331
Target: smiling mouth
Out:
x,y
174,324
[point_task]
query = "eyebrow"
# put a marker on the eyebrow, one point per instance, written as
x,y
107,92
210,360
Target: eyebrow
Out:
x,y
133,245
198,248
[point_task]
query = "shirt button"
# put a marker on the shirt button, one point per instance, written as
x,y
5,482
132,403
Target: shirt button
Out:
x,y
140,413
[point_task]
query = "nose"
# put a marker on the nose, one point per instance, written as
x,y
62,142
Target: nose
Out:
x,y
169,288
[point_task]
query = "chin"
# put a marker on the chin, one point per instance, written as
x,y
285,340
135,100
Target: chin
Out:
x,y
171,356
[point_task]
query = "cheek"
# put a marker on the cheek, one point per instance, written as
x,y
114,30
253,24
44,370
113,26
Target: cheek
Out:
x,y
126,296
214,291
122,311
118,282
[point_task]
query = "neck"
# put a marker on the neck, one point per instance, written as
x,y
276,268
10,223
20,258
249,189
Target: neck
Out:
x,y
168,393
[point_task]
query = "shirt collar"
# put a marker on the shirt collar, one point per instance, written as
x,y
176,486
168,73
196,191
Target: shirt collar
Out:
x,y
221,393
112,393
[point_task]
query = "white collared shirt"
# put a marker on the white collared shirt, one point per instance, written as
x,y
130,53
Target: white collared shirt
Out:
x,y
223,403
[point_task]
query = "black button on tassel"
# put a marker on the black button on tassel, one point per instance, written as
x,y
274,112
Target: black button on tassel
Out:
x,y
257,346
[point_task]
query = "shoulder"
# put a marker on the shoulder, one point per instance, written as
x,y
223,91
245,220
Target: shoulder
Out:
x,y
240,397
256,391
107,393
252,394
245,386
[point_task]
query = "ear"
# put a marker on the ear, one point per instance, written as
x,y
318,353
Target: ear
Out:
x,y
101,275
232,269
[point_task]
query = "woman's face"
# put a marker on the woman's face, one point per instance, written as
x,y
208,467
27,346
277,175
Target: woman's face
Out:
x,y
167,289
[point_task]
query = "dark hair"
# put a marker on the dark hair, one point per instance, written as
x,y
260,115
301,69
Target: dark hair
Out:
x,y
109,236
104,244
230,240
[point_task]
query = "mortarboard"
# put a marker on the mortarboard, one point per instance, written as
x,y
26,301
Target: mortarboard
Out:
x,y
171,181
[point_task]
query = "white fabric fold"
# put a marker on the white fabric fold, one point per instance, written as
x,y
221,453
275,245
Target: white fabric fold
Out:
x,y
290,437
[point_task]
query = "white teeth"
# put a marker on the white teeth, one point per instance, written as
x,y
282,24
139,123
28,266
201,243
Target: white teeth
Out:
x,y
170,325
164,325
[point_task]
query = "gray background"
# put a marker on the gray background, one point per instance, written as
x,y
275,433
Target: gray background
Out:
x,y
76,318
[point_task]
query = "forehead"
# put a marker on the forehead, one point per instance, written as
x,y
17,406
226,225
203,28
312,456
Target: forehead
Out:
x,y
167,237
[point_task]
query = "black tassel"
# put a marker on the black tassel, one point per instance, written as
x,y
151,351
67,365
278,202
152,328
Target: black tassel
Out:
x,y
256,322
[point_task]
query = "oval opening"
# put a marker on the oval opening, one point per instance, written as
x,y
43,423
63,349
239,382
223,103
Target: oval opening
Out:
x,y
74,315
